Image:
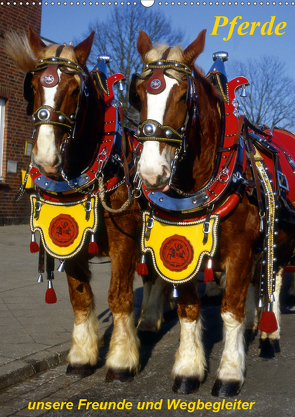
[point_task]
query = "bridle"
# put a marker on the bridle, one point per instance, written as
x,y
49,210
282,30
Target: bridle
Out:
x,y
151,130
46,115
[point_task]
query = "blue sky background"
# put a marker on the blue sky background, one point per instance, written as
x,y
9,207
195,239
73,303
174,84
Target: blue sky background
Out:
x,y
65,23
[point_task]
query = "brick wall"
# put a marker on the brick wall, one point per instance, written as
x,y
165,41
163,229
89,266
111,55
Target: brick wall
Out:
x,y
18,126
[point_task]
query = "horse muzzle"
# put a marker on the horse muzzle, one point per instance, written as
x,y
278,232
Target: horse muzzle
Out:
x,y
158,182
48,167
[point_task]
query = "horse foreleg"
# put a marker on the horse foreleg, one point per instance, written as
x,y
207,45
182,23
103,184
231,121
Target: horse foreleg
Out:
x,y
270,342
123,356
83,354
189,367
153,306
230,375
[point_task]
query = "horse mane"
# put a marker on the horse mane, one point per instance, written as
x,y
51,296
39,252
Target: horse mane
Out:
x,y
175,54
19,50
67,52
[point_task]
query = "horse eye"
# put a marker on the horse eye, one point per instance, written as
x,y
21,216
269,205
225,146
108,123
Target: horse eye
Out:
x,y
75,92
183,97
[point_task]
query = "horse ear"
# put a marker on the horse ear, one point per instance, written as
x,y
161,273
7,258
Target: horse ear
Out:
x,y
192,52
144,43
83,50
35,42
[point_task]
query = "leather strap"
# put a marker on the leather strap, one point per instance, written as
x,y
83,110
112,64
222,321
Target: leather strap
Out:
x,y
254,168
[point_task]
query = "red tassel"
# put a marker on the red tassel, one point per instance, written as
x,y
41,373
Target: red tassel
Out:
x,y
50,296
142,269
208,273
34,247
93,248
268,322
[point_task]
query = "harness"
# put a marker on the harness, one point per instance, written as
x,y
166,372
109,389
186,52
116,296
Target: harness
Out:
x,y
150,129
181,229
66,211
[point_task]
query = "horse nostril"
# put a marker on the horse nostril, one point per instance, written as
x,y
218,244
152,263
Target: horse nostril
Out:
x,y
56,161
166,172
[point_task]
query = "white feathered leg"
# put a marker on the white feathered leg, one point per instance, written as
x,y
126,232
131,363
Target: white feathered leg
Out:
x,y
189,367
123,355
230,375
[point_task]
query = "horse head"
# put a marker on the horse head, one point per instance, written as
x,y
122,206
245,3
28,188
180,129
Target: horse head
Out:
x,y
166,94
59,90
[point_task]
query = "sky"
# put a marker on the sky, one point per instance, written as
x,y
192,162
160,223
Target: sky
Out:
x,y
66,23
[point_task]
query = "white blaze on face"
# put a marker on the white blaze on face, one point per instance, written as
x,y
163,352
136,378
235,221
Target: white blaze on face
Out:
x,y
47,151
151,164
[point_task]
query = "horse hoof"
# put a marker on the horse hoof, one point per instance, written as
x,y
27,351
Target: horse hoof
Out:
x,y
80,370
183,385
269,348
147,327
119,375
226,388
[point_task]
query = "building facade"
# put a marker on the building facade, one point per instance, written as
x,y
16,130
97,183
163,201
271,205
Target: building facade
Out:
x,y
15,126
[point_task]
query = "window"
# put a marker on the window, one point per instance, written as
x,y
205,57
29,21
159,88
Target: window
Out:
x,y
2,119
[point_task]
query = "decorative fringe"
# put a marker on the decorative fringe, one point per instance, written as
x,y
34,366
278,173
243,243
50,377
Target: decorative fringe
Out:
x,y
50,296
34,247
208,273
93,247
268,322
142,268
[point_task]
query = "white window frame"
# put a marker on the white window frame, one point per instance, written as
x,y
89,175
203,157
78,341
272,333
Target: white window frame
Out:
x,y
2,122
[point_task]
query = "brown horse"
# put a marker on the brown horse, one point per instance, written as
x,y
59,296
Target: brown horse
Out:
x,y
69,109
181,127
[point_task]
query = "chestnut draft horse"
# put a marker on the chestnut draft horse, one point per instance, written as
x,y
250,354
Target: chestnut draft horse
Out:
x,y
75,103
186,158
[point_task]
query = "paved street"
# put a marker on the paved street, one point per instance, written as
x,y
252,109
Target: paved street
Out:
x,y
35,337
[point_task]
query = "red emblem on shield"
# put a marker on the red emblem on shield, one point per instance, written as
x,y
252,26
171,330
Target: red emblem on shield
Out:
x,y
63,230
176,253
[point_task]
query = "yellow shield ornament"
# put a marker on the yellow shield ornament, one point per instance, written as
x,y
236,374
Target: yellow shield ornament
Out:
x,y
63,226
178,248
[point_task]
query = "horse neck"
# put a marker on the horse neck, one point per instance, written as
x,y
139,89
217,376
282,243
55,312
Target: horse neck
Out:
x,y
204,137
90,123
